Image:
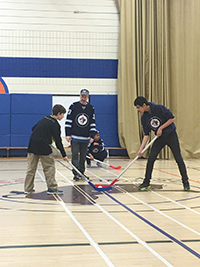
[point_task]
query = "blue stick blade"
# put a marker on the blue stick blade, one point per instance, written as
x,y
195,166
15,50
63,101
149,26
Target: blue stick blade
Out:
x,y
107,188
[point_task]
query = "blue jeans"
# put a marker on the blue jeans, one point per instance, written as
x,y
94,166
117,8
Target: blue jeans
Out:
x,y
172,141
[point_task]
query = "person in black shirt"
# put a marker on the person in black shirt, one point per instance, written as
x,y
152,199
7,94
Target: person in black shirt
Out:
x,y
96,150
159,119
44,133
80,128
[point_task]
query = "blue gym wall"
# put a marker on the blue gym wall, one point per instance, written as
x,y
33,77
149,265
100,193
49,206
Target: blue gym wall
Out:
x,y
20,112
106,118
5,120
58,68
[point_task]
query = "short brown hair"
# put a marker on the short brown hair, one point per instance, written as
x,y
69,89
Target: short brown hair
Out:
x,y
58,109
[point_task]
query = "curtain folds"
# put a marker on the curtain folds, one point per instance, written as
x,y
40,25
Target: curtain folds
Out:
x,y
153,62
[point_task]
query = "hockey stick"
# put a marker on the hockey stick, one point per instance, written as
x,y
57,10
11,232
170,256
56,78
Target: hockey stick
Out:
x,y
150,143
116,168
97,188
110,185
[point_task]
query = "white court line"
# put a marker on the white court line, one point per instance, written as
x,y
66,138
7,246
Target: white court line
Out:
x,y
176,203
98,177
104,180
126,229
183,225
92,242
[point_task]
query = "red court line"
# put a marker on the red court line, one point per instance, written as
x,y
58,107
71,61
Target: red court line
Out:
x,y
168,173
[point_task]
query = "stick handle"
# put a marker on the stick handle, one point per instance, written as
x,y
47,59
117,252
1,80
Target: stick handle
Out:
x,y
98,161
137,157
82,175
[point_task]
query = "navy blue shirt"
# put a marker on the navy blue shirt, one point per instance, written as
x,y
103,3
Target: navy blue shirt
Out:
x,y
96,149
80,122
158,116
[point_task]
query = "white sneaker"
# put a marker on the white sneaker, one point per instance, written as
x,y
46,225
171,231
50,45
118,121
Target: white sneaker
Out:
x,y
29,193
99,164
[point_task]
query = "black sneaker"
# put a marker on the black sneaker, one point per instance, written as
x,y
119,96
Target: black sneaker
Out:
x,y
144,186
86,177
52,191
77,177
186,186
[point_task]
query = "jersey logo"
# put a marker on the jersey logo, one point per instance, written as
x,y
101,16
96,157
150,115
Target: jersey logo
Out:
x,y
95,150
82,120
155,123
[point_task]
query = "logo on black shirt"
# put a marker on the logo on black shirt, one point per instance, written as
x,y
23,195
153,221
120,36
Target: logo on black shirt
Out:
x,y
155,123
82,120
95,150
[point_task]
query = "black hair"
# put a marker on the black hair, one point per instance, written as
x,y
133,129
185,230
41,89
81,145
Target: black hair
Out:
x,y
140,101
58,109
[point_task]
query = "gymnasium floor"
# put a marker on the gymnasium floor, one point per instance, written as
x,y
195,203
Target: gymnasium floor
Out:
x,y
124,227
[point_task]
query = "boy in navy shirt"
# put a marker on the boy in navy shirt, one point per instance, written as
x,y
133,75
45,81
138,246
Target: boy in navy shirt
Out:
x,y
160,120
96,150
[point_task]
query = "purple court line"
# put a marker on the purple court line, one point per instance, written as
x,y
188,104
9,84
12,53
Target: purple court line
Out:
x,y
64,165
189,198
155,227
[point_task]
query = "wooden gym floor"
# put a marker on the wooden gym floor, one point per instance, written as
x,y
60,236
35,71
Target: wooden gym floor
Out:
x,y
124,227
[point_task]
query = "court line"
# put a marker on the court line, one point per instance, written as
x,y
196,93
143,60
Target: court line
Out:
x,y
176,175
99,243
46,245
173,174
155,227
126,229
176,202
104,180
150,206
127,180
92,242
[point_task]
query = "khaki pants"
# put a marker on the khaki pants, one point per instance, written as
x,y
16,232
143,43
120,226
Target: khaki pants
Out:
x,y
48,165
